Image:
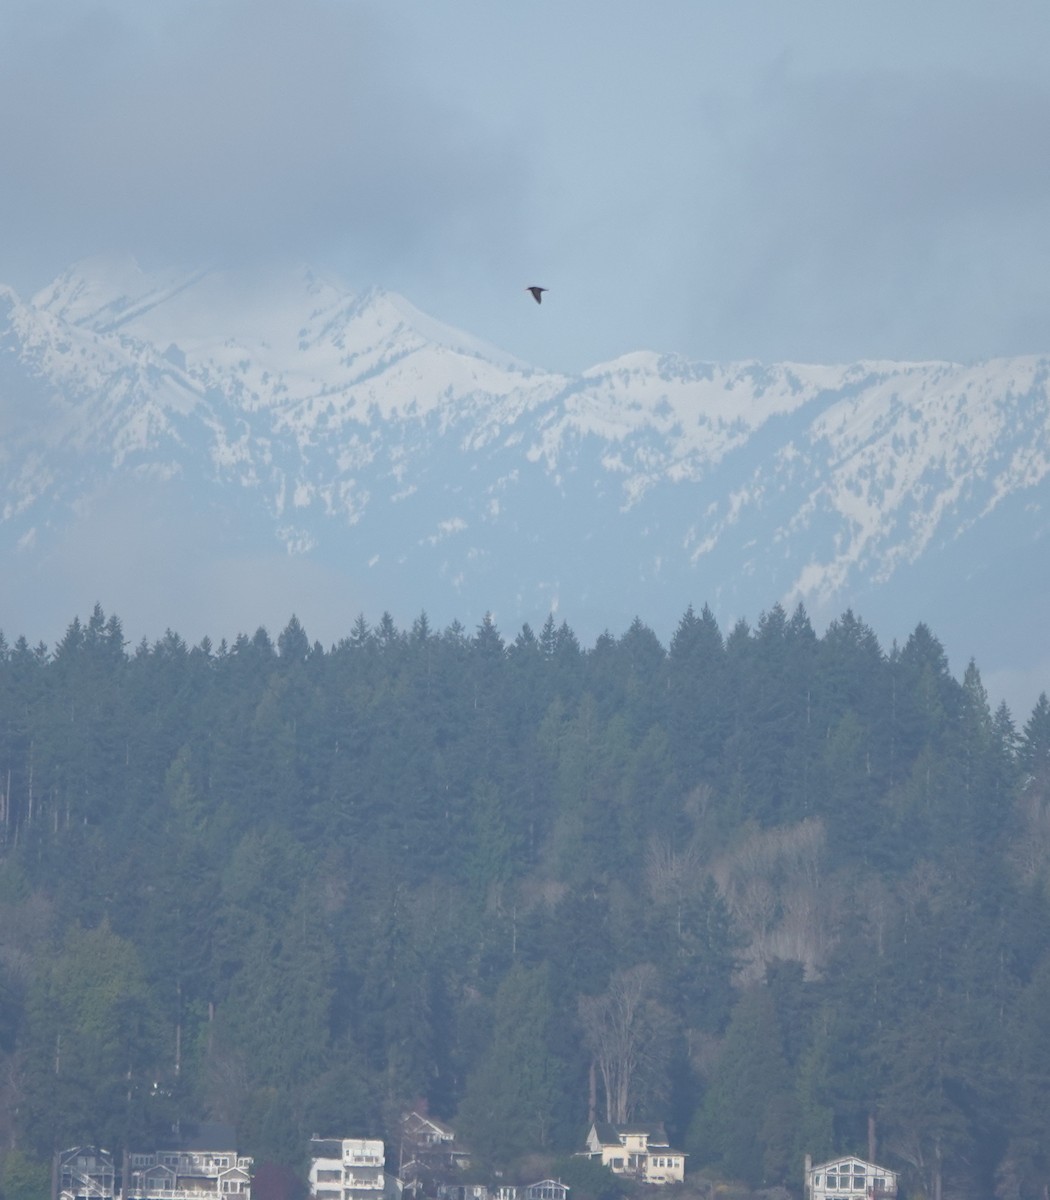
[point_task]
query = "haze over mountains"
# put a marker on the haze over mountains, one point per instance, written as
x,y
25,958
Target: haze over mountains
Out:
x,y
211,452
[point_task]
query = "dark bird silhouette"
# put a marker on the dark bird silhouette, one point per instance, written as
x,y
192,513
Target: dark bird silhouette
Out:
x,y
537,293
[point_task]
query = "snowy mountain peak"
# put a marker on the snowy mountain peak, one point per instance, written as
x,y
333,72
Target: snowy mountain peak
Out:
x,y
95,291
353,430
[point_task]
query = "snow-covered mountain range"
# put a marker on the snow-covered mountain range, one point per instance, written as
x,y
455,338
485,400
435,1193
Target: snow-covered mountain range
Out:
x,y
212,451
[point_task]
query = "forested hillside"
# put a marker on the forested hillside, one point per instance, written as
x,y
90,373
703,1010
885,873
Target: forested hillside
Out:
x,y
783,892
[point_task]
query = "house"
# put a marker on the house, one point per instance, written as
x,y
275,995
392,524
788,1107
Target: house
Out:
x,y
457,1191
417,1129
197,1162
847,1177
83,1173
640,1151
347,1168
428,1146
464,1191
547,1189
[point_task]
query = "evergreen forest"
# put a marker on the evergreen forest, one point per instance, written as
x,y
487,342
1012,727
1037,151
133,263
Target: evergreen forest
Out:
x,y
784,893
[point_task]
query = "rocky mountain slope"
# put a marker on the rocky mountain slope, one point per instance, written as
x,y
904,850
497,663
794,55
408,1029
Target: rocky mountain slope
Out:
x,y
211,451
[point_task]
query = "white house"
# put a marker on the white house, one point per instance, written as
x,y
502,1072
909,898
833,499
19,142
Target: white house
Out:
x,y
849,1178
641,1151
198,1162
346,1168
547,1189
84,1173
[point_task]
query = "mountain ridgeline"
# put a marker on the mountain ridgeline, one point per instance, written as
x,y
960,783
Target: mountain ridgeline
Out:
x,y
266,430
299,889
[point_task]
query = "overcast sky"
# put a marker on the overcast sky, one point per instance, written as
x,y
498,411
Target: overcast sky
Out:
x,y
726,179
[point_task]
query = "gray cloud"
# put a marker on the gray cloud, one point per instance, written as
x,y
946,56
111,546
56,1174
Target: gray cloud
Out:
x,y
827,183
235,129
890,213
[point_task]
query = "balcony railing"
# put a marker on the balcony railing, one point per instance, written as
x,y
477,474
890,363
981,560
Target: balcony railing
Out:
x,y
155,1193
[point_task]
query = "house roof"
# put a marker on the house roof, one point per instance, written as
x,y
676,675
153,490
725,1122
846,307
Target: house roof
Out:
x,y
85,1152
609,1134
851,1160
414,1121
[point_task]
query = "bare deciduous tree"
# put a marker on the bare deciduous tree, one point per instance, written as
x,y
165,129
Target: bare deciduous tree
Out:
x,y
628,1032
773,886
673,874
1030,849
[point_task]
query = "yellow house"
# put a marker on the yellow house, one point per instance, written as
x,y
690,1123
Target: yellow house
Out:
x,y
640,1151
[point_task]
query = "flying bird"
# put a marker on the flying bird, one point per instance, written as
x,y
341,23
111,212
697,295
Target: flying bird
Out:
x,y
537,293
